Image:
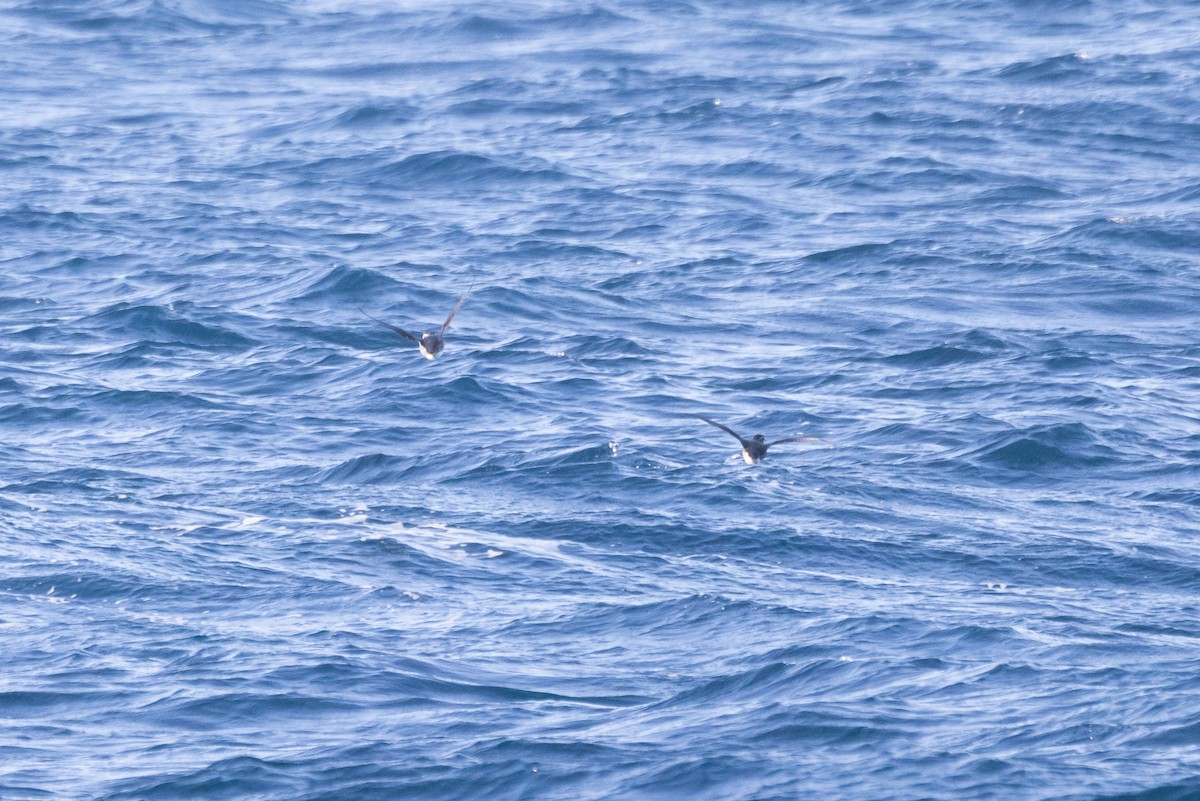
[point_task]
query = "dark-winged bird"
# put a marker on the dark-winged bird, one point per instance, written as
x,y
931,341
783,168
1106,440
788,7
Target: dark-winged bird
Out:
x,y
430,343
753,450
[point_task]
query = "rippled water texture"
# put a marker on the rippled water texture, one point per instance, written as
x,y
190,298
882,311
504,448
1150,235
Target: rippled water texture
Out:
x,y
256,547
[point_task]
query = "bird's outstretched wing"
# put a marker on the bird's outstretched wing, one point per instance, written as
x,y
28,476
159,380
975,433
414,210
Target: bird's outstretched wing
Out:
x,y
395,328
726,429
457,306
795,439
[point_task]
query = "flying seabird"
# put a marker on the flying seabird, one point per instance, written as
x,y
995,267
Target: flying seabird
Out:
x,y
753,450
430,343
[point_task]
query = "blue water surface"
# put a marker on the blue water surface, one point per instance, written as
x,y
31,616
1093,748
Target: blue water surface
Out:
x,y
254,546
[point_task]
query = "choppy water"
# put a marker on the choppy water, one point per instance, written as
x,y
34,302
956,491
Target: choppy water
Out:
x,y
254,546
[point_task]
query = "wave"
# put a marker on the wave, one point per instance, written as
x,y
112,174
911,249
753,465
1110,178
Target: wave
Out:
x,y
1174,791
1056,69
157,323
939,356
374,468
451,167
346,285
161,16
1044,449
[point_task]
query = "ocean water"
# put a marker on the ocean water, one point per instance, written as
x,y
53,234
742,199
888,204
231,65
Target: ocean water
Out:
x,y
255,547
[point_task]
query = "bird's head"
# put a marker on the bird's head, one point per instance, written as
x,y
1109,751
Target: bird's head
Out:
x,y
759,438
